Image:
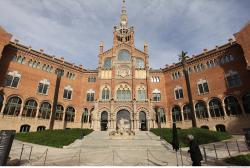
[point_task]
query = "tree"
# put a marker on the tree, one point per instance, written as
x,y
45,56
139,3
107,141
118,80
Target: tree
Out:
x,y
183,58
59,74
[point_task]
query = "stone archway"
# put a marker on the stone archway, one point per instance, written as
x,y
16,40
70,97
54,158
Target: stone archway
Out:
x,y
104,121
123,120
143,121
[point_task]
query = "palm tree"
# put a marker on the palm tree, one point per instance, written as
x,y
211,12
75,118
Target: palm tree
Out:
x,y
59,74
183,58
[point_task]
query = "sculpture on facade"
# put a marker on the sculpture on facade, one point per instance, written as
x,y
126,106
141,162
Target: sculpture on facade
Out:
x,y
123,131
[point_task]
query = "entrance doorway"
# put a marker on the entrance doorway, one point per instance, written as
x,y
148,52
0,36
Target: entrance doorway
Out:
x,y
143,121
123,120
104,121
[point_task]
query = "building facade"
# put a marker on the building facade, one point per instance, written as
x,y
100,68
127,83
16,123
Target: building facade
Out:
x,y
124,87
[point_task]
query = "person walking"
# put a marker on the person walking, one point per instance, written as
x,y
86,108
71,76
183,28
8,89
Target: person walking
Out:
x,y
194,151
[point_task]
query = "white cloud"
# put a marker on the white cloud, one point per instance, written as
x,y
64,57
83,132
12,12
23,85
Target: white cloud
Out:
x,y
74,28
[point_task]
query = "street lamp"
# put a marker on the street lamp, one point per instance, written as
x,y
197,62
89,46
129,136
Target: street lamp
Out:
x,y
159,122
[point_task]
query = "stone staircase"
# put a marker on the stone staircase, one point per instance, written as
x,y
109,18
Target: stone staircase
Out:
x,y
101,140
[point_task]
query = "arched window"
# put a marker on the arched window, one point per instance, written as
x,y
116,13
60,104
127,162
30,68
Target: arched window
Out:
x,y
13,106
20,59
105,93
59,112
220,128
90,95
215,108
202,86
85,115
233,79
25,128
70,114
1,101
45,110
40,128
124,55
12,79
246,102
123,92
156,95
176,113
141,93
209,64
107,63
232,106
205,127
162,115
43,86
30,108
201,110
187,112
178,92
91,79
140,63
67,93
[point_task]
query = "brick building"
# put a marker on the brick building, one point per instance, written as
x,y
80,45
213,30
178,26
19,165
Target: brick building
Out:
x,y
124,87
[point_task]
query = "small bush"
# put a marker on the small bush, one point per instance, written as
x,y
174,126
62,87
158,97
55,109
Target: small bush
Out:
x,y
54,138
202,136
241,160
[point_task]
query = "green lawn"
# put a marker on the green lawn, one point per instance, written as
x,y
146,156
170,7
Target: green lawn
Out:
x,y
203,136
241,160
54,138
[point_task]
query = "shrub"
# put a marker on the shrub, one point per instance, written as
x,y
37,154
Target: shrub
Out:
x,y
202,136
54,138
241,160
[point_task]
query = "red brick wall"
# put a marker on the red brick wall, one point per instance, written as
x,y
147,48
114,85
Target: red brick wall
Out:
x,y
243,38
4,39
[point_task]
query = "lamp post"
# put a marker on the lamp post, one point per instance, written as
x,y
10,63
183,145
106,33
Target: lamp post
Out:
x,y
159,122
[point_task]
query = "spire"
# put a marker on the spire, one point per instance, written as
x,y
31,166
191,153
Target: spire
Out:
x,y
124,17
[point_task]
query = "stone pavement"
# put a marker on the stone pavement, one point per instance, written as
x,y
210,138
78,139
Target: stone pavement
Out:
x,y
98,149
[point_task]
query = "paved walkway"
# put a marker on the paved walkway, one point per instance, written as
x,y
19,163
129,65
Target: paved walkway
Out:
x,y
99,150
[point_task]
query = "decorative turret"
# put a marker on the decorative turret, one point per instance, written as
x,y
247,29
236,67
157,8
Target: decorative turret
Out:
x,y
146,47
101,47
124,17
123,33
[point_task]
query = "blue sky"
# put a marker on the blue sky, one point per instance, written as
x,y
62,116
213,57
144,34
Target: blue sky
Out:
x,y
73,29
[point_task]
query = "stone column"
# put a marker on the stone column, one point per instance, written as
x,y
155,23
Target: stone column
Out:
x,y
208,112
224,109
114,124
138,124
182,115
148,124
21,110
1,112
63,119
37,111
134,113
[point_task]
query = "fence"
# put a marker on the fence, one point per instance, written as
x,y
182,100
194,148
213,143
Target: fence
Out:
x,y
223,149
113,157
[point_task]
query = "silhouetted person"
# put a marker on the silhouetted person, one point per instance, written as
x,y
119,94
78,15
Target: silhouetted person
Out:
x,y
194,151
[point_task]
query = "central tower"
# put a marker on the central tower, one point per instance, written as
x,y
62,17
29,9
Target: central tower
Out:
x,y
123,33
123,74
